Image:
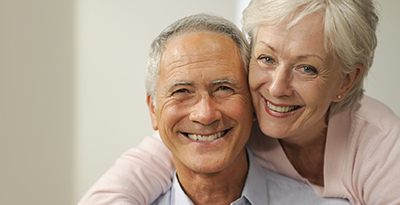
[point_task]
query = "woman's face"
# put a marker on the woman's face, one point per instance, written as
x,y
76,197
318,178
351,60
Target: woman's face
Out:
x,y
293,79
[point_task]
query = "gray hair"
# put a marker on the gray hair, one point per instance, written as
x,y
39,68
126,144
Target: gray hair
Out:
x,y
191,24
349,29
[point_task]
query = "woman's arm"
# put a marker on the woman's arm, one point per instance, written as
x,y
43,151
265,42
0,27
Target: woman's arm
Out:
x,y
139,176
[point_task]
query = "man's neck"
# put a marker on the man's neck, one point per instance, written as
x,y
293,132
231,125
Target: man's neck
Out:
x,y
223,187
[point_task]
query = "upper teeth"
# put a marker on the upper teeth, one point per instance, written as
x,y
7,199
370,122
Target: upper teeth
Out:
x,y
280,108
205,138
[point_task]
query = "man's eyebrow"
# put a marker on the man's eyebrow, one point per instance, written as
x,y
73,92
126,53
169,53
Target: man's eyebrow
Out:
x,y
177,83
215,82
226,81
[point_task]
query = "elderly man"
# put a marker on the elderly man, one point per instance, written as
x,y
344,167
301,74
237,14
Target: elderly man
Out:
x,y
199,102
202,109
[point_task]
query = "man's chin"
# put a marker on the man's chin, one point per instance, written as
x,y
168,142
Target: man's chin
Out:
x,y
207,165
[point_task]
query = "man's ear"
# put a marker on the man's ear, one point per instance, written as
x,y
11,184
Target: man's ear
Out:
x,y
348,82
153,116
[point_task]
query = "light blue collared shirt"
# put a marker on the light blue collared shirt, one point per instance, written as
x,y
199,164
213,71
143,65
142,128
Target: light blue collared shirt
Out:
x,y
261,187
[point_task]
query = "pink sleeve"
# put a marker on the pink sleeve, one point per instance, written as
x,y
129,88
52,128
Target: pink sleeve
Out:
x,y
139,176
381,175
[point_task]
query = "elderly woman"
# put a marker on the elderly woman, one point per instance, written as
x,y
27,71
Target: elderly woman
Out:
x,y
309,59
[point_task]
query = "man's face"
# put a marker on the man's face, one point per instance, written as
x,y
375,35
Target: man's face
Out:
x,y
203,107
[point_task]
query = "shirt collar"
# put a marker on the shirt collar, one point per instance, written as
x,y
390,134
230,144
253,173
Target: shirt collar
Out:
x,y
255,187
178,196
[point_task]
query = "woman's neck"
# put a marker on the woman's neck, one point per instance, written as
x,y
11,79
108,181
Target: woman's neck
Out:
x,y
307,153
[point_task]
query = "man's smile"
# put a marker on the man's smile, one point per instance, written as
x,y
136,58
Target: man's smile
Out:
x,y
211,137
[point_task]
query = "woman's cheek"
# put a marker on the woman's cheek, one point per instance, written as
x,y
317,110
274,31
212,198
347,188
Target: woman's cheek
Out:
x,y
257,77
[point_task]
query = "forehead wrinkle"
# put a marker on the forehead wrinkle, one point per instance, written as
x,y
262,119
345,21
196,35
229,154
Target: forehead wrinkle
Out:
x,y
181,60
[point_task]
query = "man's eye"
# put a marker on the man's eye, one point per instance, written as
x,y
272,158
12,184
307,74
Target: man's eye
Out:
x,y
226,88
223,91
183,90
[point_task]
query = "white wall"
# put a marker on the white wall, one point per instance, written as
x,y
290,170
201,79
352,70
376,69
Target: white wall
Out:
x,y
383,81
71,87
36,102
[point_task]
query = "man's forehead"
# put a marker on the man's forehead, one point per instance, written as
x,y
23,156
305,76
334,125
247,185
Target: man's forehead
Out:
x,y
199,44
201,58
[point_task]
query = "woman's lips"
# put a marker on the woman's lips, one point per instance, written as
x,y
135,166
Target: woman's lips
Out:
x,y
280,110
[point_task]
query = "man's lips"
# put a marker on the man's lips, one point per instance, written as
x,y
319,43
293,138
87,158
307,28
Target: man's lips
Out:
x,y
211,137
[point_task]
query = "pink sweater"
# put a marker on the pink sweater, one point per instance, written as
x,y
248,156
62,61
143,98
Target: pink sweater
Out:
x,y
362,162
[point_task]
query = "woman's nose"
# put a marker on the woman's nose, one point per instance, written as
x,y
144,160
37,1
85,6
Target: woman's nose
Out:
x,y
280,84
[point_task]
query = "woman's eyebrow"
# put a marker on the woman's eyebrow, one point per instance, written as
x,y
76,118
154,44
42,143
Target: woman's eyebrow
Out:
x,y
299,57
267,45
310,55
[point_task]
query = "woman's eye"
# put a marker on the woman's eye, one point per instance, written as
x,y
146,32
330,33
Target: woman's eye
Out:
x,y
266,59
309,70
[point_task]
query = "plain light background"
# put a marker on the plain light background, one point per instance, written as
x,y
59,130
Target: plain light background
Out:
x,y
71,80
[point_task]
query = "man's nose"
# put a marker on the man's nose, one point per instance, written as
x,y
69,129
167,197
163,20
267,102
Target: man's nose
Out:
x,y
205,111
281,80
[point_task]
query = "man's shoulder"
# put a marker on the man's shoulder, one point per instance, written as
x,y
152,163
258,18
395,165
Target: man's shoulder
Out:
x,y
284,190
